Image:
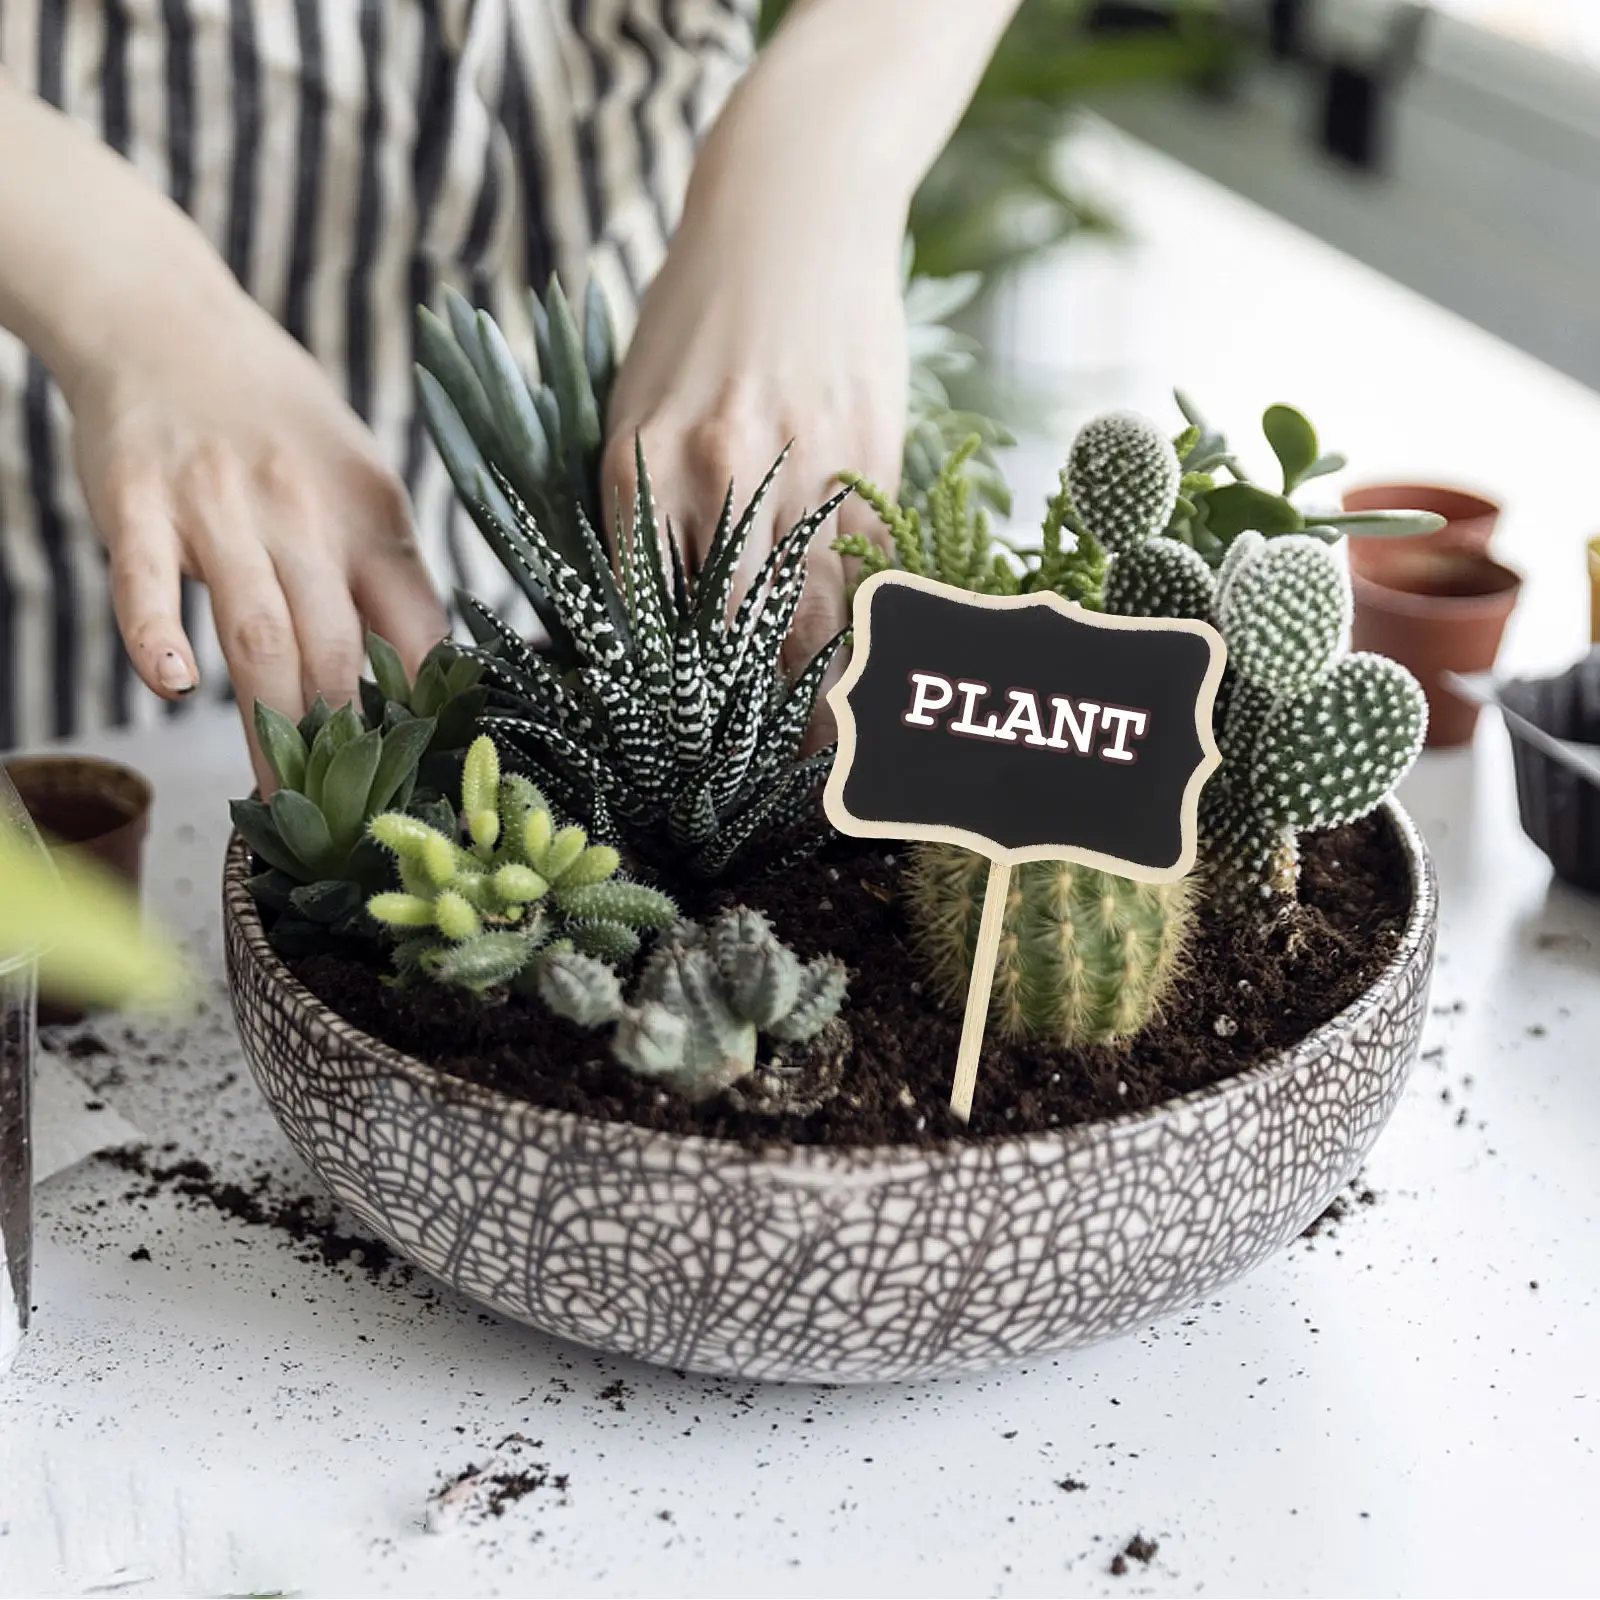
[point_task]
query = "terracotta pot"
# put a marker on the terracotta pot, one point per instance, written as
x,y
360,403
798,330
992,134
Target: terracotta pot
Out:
x,y
88,806
1470,520
1435,611
817,1264
1560,811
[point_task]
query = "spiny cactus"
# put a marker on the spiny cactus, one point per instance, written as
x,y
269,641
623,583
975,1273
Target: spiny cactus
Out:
x,y
482,895
1311,737
703,998
1085,957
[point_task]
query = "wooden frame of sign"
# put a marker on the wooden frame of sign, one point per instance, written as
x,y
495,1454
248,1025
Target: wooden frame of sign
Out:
x,y
1118,773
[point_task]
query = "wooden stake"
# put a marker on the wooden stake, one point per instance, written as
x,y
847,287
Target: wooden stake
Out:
x,y
977,1015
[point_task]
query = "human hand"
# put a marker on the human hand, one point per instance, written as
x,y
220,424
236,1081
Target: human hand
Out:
x,y
210,444
774,320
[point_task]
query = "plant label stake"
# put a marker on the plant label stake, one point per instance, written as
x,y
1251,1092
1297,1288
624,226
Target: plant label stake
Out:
x,y
1027,729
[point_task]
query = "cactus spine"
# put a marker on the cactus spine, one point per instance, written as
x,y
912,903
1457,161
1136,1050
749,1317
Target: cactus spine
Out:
x,y
1085,957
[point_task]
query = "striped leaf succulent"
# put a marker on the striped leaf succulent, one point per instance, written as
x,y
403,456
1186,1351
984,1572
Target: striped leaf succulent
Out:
x,y
486,893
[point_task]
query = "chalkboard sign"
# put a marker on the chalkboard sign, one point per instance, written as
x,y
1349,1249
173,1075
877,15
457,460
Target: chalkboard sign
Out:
x,y
1024,728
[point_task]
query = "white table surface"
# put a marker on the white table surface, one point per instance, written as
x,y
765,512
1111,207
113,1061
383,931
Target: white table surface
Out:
x,y
1407,1404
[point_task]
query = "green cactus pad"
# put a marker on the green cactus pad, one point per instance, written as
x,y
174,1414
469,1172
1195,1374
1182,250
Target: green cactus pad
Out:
x,y
1285,613
1124,476
1160,578
1331,755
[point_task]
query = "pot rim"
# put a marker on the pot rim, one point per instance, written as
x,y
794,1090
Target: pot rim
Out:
x,y
1485,504
1370,590
833,1163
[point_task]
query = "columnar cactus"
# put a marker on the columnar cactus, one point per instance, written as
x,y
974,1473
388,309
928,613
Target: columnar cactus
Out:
x,y
1085,956
481,896
703,998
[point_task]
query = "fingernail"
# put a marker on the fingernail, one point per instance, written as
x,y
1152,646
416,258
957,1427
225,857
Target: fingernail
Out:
x,y
173,674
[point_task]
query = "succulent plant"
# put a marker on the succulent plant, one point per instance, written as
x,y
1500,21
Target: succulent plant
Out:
x,y
948,538
336,770
1311,736
1210,513
703,999
1085,957
483,893
674,730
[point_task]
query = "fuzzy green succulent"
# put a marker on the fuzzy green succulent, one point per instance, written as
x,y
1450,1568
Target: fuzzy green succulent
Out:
x,y
483,894
1311,736
703,1000
336,770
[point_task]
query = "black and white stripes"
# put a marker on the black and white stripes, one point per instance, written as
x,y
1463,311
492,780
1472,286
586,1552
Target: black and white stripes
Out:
x,y
347,158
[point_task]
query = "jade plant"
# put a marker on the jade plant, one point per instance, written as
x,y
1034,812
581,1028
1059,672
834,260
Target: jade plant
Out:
x,y
704,998
1085,956
486,893
1311,736
1211,510
335,771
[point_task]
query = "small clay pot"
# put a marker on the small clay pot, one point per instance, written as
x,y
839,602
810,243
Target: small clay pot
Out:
x,y
1560,811
91,808
1469,520
1435,611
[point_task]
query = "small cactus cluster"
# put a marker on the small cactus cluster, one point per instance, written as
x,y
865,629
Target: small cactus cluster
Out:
x,y
484,894
1311,736
336,770
1085,957
703,998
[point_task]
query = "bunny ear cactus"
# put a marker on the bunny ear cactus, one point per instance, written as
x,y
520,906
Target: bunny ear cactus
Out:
x,y
702,1001
479,902
1311,737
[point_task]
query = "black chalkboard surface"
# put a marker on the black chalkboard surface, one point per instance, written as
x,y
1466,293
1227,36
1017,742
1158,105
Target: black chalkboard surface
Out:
x,y
1024,728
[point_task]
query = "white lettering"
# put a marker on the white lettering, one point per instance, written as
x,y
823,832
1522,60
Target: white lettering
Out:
x,y
971,693
926,686
1118,749
1082,725
1023,719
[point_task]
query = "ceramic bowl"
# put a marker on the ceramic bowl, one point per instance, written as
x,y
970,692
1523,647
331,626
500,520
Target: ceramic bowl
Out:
x,y
829,1265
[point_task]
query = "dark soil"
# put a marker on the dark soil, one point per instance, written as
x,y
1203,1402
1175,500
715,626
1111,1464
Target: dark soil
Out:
x,y
1248,993
304,1218
1139,1549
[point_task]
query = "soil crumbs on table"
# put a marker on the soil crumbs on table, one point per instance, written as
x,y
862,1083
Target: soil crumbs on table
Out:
x,y
1247,993
1139,1549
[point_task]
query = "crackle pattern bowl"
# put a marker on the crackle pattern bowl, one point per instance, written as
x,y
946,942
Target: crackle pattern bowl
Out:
x,y
829,1265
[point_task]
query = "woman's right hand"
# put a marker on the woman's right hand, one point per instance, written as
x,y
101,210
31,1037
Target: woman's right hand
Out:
x,y
212,445
208,441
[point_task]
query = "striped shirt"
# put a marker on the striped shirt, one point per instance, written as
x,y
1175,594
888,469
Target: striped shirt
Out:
x,y
347,158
